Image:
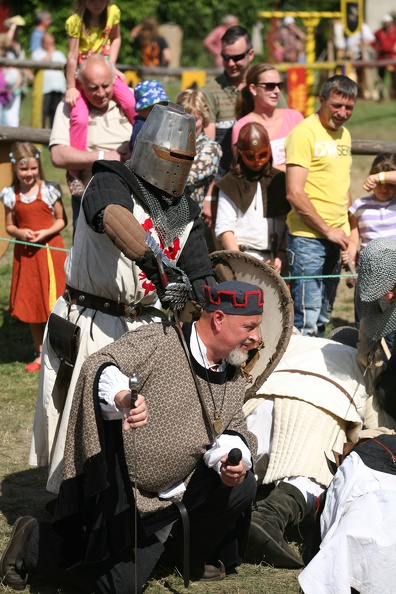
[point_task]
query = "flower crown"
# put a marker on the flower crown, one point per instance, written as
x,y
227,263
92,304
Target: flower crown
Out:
x,y
13,160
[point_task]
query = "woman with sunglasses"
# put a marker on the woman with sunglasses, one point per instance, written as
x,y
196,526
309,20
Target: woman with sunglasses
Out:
x,y
257,102
252,205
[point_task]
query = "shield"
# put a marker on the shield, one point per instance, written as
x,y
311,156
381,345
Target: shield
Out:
x,y
278,316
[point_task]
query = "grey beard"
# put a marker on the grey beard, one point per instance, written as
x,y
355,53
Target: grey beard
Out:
x,y
237,357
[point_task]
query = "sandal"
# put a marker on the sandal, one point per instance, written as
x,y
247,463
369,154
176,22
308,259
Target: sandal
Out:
x,y
33,367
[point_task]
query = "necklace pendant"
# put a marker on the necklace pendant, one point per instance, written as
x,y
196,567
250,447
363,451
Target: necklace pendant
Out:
x,y
217,423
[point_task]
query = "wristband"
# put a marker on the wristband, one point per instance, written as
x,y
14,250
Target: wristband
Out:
x,y
381,177
101,155
210,198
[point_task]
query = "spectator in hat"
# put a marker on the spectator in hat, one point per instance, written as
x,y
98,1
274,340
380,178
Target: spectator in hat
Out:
x,y
289,42
147,94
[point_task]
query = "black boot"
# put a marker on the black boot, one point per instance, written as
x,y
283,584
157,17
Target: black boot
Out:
x,y
285,506
12,571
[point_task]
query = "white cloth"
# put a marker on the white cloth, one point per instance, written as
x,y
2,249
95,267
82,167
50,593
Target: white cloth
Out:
x,y
223,444
53,80
358,527
298,417
250,228
13,111
322,356
111,382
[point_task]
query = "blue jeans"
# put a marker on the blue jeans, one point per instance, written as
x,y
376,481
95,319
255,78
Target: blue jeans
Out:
x,y
313,298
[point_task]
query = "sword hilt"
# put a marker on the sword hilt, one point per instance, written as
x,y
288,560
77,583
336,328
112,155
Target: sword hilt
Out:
x,y
135,386
163,275
234,457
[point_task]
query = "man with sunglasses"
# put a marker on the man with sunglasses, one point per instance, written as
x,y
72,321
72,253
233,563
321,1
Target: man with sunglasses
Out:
x,y
318,165
222,92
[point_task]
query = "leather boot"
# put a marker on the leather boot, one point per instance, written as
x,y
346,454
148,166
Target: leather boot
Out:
x,y
12,572
285,506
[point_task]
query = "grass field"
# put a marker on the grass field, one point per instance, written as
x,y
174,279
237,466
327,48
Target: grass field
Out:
x,y
23,488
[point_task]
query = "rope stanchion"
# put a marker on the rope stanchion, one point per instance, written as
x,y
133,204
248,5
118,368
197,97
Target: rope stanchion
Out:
x,y
285,278
319,276
39,245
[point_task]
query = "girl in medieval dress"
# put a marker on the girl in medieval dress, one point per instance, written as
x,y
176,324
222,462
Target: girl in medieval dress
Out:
x,y
34,215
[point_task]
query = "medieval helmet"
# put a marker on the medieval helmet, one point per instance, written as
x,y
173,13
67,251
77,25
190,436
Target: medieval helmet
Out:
x,y
254,145
165,148
376,277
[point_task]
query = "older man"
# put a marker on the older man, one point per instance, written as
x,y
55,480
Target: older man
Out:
x,y
318,165
194,390
109,130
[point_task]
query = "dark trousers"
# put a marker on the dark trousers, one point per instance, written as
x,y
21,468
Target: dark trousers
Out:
x,y
219,523
50,103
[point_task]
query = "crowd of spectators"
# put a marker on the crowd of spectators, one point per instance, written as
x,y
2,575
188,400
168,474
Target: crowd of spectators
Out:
x,y
262,180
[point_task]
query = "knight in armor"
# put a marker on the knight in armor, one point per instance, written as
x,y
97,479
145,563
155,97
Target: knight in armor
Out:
x,y
131,215
252,205
179,458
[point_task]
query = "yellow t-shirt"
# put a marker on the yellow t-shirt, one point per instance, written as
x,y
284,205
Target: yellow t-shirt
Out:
x,y
97,42
327,156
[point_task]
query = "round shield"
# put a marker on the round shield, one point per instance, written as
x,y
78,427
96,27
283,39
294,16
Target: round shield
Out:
x,y
278,315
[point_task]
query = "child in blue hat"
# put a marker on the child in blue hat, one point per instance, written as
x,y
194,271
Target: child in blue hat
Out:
x,y
147,94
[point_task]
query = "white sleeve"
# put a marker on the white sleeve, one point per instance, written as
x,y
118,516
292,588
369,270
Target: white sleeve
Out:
x,y
222,446
60,133
111,382
227,215
7,197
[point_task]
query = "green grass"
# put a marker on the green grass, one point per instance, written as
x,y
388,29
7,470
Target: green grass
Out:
x,y
23,488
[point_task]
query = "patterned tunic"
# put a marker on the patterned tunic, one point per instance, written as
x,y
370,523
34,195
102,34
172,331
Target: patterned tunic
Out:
x,y
176,437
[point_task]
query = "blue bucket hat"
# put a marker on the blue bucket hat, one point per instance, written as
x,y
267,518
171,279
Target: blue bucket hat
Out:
x,y
148,93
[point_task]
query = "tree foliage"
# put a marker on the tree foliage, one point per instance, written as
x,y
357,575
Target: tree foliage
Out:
x,y
195,17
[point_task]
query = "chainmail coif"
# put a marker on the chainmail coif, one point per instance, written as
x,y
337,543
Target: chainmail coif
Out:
x,y
170,214
377,276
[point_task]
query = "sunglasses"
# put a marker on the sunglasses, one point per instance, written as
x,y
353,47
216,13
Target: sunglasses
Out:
x,y
236,58
271,86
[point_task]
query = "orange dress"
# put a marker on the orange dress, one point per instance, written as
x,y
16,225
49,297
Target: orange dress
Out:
x,y
38,275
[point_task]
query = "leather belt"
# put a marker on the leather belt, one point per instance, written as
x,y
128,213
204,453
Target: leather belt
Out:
x,y
107,306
